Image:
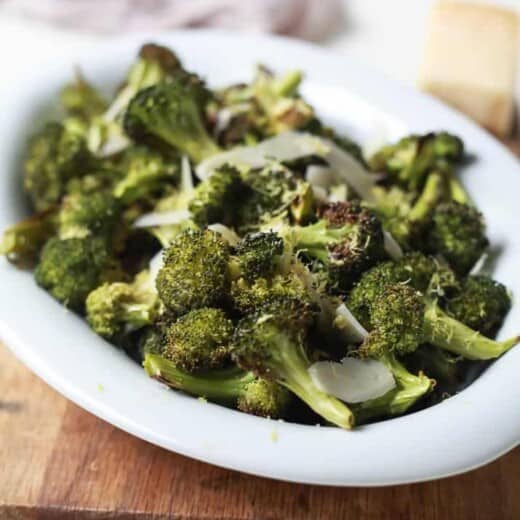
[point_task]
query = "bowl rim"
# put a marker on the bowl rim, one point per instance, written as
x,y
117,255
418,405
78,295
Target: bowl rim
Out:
x,y
370,456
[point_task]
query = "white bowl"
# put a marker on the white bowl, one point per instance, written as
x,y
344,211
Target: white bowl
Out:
x,y
463,432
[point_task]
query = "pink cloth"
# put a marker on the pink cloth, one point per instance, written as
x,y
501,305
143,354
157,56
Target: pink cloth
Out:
x,y
309,19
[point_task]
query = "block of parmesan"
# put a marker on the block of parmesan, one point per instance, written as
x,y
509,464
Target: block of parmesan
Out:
x,y
470,60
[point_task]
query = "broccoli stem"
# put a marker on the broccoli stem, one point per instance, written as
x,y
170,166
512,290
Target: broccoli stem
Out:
x,y
293,367
410,388
452,335
430,196
223,386
287,84
457,191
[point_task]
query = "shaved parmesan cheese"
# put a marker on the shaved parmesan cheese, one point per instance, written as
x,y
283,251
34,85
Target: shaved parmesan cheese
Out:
x,y
318,175
353,380
345,321
164,218
155,266
392,247
227,234
293,145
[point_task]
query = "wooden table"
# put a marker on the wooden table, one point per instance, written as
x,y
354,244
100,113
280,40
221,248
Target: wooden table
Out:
x,y
58,461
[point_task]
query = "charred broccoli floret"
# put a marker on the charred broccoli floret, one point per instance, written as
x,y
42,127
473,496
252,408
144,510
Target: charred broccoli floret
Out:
x,y
482,304
70,269
170,112
214,199
457,233
265,346
438,328
199,340
54,156
347,240
81,100
195,271
231,387
22,242
114,308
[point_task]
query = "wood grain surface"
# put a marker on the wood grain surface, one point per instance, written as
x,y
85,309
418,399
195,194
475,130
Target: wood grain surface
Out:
x,y
57,461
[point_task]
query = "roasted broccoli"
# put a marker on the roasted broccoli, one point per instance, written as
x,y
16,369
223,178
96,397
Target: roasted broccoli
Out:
x,y
54,157
481,303
199,340
70,269
113,308
195,271
266,346
170,112
81,100
231,387
347,240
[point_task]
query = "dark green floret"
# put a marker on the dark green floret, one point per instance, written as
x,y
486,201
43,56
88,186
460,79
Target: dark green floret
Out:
x,y
199,340
195,271
54,156
482,304
70,269
170,112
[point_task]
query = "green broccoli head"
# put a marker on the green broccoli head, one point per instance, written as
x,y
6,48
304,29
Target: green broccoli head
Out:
x,y
195,271
214,199
113,308
347,240
54,156
397,320
82,215
264,398
70,269
458,234
264,346
259,254
171,113
482,304
146,173
81,100
199,340
448,146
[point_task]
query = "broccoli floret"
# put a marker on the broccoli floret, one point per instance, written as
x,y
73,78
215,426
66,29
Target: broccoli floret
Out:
x,y
347,240
439,329
70,269
481,303
114,308
214,199
409,390
195,271
155,64
54,156
146,173
408,161
272,191
81,100
457,233
171,113
231,387
82,215
265,346
199,340
259,255
22,242
395,331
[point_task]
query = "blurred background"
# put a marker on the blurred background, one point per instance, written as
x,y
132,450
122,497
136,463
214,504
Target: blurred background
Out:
x,y
463,52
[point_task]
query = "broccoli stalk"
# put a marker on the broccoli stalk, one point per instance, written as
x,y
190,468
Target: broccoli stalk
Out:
x,y
452,335
231,387
409,389
275,353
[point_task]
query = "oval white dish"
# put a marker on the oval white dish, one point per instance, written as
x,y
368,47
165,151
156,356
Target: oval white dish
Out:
x,y
463,432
